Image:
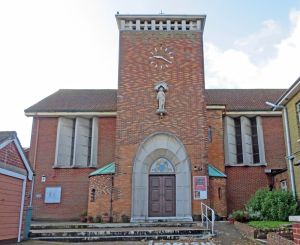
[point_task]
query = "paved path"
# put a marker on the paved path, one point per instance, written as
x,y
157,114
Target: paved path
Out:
x,y
227,234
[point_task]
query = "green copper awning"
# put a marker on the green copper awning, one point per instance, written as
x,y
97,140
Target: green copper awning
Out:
x,y
213,172
107,169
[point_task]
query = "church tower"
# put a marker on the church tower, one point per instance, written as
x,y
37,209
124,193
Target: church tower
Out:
x,y
161,139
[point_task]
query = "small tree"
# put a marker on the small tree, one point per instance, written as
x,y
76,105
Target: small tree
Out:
x,y
271,205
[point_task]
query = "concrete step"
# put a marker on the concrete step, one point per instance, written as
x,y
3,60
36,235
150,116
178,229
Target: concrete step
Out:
x,y
79,225
117,233
123,238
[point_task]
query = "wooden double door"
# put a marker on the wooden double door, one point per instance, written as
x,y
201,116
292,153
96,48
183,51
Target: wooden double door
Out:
x,y
162,195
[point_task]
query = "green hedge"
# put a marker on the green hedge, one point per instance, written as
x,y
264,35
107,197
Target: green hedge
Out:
x,y
271,205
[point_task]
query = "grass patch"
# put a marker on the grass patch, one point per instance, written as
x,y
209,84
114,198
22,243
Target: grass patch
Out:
x,y
268,224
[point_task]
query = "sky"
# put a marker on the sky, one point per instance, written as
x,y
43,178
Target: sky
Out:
x,y
73,44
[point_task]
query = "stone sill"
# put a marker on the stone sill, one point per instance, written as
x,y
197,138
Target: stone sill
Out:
x,y
72,167
247,165
294,218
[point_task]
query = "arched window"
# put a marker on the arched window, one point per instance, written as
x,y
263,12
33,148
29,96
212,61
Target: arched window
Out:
x,y
162,166
93,195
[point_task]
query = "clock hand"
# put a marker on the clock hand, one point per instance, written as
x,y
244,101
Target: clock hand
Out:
x,y
161,57
170,62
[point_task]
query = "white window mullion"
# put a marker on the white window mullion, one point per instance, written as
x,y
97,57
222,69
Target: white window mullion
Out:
x,y
81,142
247,140
260,139
94,143
63,142
229,141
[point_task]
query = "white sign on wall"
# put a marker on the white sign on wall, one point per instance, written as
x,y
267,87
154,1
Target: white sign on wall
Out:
x,y
200,187
52,194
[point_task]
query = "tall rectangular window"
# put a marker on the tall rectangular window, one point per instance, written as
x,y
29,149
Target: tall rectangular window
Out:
x,y
255,146
298,117
243,140
298,111
77,142
238,138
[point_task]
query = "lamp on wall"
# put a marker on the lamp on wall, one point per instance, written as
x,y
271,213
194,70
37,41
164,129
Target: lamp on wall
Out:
x,y
197,167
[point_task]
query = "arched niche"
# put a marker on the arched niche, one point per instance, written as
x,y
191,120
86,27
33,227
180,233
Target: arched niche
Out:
x,y
156,146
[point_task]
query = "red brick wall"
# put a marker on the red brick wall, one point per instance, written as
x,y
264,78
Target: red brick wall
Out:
x,y
103,191
74,182
276,239
185,103
274,142
296,232
10,155
107,140
217,190
242,183
216,146
281,177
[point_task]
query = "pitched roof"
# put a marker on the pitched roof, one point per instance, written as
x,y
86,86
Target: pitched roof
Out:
x,y
11,136
78,100
5,135
105,100
289,93
214,172
243,99
109,168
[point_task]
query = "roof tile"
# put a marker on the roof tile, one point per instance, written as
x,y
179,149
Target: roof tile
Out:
x,y
105,100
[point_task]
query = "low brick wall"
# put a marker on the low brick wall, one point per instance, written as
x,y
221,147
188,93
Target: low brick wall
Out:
x,y
296,232
254,233
276,239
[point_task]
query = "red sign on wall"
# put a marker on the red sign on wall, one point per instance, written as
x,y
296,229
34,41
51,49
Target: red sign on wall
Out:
x,y
200,187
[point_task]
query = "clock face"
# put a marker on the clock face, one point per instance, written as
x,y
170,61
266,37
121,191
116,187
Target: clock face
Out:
x,y
161,57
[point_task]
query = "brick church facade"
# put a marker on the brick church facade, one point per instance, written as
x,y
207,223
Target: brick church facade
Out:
x,y
161,143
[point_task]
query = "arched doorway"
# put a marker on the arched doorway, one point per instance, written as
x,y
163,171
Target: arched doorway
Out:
x,y
161,147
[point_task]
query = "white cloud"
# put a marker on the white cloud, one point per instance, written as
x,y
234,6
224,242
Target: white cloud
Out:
x,y
244,66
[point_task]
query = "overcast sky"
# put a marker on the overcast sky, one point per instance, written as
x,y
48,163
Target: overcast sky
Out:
x,y
49,45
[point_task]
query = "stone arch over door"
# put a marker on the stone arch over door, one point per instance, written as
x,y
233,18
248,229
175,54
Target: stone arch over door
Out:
x,y
168,146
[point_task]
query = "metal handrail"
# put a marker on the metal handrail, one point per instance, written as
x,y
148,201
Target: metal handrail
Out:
x,y
206,213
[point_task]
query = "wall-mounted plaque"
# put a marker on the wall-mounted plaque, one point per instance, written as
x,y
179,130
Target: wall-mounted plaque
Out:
x,y
52,194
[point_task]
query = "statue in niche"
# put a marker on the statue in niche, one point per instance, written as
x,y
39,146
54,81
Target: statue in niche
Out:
x,y
161,88
161,97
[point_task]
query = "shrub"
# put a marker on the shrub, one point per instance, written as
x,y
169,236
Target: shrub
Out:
x,y
240,215
83,216
98,219
125,218
90,219
271,205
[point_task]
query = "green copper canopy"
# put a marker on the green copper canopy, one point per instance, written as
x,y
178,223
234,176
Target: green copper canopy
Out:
x,y
107,169
213,172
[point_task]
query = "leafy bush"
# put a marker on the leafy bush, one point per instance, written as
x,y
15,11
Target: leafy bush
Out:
x,y
98,219
271,205
125,218
240,215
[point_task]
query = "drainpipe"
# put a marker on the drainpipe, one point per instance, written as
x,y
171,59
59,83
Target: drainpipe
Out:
x,y
31,191
36,142
290,157
111,198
